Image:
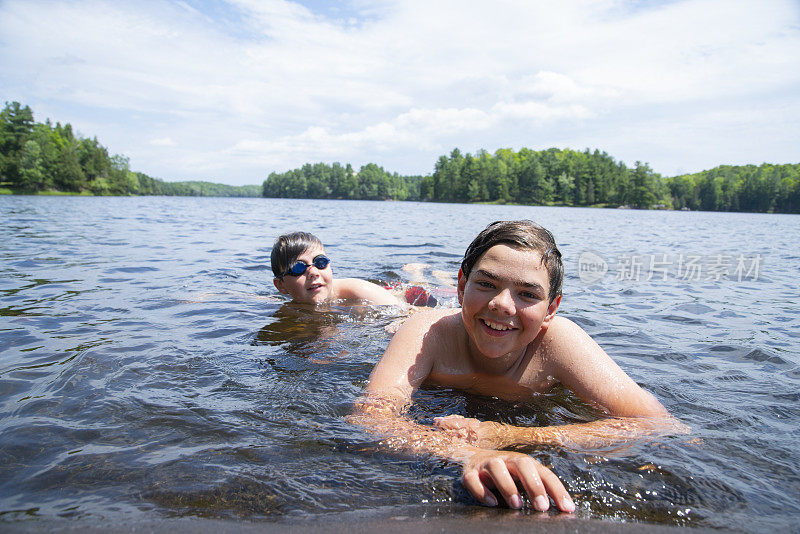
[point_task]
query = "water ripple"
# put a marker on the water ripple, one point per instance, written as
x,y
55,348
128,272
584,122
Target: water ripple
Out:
x,y
148,365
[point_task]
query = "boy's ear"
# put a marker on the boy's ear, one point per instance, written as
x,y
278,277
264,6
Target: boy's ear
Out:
x,y
279,284
462,282
551,311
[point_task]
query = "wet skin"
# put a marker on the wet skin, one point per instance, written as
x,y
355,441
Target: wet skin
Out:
x,y
316,286
505,341
504,307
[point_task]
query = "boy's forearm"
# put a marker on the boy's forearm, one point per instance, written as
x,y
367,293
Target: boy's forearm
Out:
x,y
485,472
402,434
594,435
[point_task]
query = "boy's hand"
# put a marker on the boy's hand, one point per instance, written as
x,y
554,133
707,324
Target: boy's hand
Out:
x,y
483,434
485,470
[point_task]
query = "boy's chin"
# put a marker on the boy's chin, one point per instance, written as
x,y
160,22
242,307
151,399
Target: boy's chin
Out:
x,y
318,297
494,350
497,354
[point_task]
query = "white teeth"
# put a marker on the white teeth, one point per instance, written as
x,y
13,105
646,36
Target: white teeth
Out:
x,y
496,326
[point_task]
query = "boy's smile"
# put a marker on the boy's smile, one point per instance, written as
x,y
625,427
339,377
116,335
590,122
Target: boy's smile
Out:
x,y
504,303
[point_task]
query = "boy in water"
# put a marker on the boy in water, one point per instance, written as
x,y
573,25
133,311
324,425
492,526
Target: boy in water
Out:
x,y
303,271
505,341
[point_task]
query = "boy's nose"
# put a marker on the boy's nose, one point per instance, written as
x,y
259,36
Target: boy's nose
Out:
x,y
503,302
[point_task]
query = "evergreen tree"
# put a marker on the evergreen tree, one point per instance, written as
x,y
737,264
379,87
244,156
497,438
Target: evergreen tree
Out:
x,y
31,168
16,125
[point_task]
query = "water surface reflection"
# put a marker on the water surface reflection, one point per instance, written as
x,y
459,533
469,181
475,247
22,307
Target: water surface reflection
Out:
x,y
148,365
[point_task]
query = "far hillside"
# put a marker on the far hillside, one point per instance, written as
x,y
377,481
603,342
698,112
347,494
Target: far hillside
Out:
x,y
46,157
766,188
549,177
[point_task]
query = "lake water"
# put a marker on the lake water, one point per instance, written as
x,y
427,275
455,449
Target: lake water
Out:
x,y
149,367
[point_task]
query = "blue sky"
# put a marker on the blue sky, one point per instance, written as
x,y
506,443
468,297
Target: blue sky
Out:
x,y
229,91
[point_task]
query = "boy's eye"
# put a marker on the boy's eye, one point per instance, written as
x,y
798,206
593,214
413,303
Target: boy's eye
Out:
x,y
484,283
528,295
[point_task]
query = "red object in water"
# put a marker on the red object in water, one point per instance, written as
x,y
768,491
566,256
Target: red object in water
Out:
x,y
418,296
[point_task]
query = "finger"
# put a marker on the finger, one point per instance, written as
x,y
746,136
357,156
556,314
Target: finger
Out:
x,y
472,481
555,488
498,470
442,424
450,421
545,484
460,433
526,470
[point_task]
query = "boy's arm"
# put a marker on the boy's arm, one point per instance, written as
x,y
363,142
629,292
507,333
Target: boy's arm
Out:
x,y
404,366
357,289
574,359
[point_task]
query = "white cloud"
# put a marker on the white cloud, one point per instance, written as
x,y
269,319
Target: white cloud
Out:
x,y
416,129
163,141
257,86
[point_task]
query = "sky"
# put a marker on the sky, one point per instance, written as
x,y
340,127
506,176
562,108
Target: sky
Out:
x,y
230,91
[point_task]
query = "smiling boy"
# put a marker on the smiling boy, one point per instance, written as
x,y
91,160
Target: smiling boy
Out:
x,y
303,271
505,341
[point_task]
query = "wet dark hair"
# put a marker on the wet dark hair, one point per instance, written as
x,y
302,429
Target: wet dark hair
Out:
x,y
522,235
288,247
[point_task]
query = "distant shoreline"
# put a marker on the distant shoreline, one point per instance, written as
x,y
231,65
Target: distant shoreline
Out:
x,y
9,192
51,160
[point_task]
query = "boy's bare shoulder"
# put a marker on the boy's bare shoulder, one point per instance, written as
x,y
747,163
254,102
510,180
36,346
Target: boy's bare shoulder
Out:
x,y
431,329
566,344
358,289
351,284
561,326
561,335
440,318
434,321
411,353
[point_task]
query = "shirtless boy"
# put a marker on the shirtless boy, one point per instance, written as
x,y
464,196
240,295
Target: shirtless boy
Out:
x,y
505,341
302,270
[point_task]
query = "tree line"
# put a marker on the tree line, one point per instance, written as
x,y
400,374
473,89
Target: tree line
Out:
x,y
762,188
551,177
38,157
525,177
335,181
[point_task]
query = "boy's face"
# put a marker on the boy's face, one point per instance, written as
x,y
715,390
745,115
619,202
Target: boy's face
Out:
x,y
504,303
313,286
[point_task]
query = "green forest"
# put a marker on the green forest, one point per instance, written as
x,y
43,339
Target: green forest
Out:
x,y
763,188
337,182
551,177
42,157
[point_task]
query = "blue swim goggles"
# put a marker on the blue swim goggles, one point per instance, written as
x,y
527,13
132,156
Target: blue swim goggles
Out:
x,y
299,267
